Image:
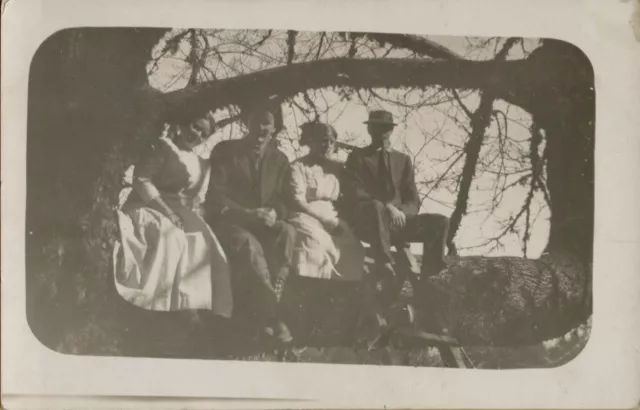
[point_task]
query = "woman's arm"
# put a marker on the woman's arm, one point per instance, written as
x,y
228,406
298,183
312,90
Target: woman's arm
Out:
x,y
328,188
298,195
199,199
147,167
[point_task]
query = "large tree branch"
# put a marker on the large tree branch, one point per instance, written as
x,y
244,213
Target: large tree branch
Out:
x,y
480,120
510,301
512,81
419,45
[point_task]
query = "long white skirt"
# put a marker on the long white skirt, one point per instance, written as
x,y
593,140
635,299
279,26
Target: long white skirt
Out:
x,y
320,255
161,267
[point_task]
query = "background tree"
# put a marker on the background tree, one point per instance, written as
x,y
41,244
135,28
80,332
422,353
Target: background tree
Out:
x,y
105,109
503,168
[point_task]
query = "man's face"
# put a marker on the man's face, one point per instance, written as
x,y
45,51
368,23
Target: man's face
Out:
x,y
261,129
380,133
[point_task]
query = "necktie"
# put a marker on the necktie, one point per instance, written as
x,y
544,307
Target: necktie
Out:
x,y
256,168
385,174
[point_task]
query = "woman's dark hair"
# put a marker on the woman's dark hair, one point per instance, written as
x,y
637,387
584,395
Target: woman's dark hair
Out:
x,y
312,129
186,116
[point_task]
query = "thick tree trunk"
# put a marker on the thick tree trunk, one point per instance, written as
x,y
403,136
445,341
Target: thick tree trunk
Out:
x,y
508,301
84,103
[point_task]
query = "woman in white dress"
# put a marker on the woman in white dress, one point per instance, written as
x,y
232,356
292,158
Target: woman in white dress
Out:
x,y
168,258
326,247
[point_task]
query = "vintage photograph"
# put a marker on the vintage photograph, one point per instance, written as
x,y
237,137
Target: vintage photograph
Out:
x,y
310,197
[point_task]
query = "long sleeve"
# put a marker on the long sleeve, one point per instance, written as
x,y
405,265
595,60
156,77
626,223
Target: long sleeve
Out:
x,y
353,184
281,207
146,169
200,197
409,191
303,188
218,200
297,185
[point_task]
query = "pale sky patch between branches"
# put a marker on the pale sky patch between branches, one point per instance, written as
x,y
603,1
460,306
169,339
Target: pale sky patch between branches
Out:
x,y
432,124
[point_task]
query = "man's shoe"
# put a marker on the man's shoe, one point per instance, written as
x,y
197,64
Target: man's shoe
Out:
x,y
282,333
388,285
432,270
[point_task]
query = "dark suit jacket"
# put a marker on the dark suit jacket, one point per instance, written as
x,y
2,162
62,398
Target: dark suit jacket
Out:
x,y
361,181
232,186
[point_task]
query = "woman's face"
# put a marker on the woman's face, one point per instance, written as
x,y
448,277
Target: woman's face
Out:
x,y
322,146
194,134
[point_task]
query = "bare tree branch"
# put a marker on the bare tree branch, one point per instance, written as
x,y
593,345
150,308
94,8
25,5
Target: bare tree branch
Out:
x,y
419,45
509,80
322,36
193,57
480,120
291,44
462,105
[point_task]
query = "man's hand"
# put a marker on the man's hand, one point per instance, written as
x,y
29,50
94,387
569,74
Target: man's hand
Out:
x,y
267,216
398,218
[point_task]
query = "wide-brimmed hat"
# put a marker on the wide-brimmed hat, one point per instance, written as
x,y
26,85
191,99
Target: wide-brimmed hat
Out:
x,y
380,117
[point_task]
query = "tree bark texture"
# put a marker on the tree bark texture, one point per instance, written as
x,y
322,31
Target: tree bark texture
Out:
x,y
85,109
503,301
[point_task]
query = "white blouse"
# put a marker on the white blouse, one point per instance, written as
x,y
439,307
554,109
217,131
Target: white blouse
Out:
x,y
315,185
167,171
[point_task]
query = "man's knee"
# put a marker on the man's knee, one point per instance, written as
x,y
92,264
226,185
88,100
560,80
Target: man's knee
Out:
x,y
438,221
443,221
246,244
377,206
284,231
373,209
247,257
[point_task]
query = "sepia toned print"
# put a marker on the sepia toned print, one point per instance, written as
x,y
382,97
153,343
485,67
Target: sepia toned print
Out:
x,y
330,197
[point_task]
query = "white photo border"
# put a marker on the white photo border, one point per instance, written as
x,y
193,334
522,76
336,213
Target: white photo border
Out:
x,y
605,374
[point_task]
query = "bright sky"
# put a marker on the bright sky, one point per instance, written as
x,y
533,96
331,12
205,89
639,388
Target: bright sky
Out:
x,y
431,134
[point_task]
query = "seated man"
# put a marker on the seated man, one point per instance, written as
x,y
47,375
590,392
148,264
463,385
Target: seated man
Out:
x,y
383,201
245,208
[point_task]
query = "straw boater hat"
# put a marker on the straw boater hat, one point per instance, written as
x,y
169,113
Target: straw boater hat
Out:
x,y
380,117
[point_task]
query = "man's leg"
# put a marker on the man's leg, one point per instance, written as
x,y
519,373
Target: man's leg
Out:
x,y
250,273
432,230
372,225
278,243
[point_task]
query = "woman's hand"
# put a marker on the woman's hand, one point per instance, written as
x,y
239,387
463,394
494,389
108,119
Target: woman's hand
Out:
x,y
333,226
159,205
176,220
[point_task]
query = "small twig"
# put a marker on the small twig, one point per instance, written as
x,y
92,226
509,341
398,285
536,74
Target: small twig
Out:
x,y
322,36
291,44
